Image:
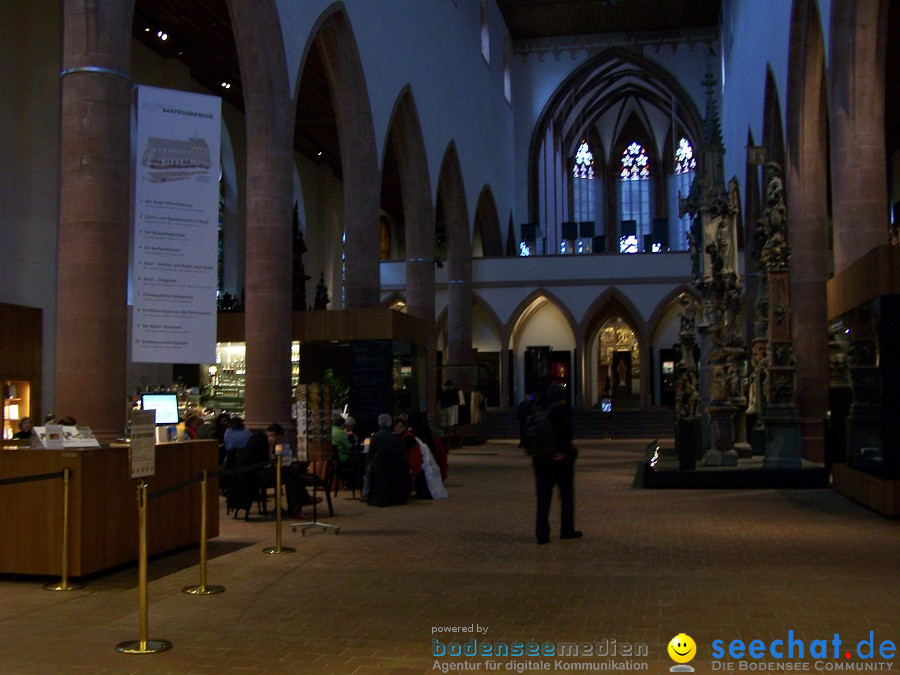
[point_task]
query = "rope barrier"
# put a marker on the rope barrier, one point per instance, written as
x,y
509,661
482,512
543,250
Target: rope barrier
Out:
x,y
32,478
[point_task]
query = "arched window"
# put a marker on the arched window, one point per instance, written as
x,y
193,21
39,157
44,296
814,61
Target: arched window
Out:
x,y
685,169
507,74
485,33
634,197
584,192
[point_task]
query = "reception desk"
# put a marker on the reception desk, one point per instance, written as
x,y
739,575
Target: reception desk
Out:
x,y
103,513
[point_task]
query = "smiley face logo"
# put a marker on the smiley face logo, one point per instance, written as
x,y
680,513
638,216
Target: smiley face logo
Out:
x,y
682,648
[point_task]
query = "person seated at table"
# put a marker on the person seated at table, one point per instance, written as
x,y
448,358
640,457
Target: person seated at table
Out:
x,y
25,429
349,426
388,470
236,436
340,441
261,447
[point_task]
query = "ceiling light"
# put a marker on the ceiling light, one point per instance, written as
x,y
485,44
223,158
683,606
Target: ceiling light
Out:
x,y
226,85
319,153
162,35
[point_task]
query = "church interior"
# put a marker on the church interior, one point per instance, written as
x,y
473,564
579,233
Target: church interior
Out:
x,y
686,213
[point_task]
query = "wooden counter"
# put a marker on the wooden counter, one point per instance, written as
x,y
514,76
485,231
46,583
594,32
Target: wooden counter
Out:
x,y
103,520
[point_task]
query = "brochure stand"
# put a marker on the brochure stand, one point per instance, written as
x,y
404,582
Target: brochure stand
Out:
x,y
314,440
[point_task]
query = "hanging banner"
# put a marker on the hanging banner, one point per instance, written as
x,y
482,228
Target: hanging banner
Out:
x,y
176,217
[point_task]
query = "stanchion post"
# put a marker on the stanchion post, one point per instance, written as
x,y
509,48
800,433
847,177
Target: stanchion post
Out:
x,y
203,589
278,548
64,584
143,645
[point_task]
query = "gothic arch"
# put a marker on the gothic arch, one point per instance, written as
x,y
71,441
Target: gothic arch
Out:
x,y
359,164
452,200
605,80
405,133
487,224
807,210
664,305
528,307
612,302
268,115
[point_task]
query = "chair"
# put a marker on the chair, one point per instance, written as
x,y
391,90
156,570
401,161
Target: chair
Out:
x,y
350,472
245,487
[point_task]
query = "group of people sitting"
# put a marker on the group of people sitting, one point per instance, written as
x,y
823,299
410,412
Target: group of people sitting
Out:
x,y
404,458
401,459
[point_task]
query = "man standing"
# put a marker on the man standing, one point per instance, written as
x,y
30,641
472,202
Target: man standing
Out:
x,y
556,467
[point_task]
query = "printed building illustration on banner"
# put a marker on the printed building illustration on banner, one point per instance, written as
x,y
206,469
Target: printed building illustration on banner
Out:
x,y
169,153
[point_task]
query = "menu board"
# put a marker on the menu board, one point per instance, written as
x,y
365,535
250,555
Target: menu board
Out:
x,y
176,217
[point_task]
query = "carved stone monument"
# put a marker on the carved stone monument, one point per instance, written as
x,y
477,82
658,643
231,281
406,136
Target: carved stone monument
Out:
x,y
713,240
783,433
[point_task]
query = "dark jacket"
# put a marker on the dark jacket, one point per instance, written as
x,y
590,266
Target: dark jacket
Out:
x,y
389,469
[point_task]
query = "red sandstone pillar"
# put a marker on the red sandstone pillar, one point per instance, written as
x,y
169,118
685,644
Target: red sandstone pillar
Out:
x,y
858,167
807,227
270,124
92,311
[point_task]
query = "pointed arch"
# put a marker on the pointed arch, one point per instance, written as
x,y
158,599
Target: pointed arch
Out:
x,y
359,164
609,304
527,308
669,300
408,144
268,115
487,224
616,83
455,223
807,211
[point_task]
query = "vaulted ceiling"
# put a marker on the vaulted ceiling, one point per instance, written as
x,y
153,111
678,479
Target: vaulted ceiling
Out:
x,y
199,34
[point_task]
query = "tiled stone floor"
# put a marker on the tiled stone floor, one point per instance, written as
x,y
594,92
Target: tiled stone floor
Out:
x,y
653,563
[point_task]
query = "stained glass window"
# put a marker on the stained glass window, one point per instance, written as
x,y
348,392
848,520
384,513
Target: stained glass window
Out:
x,y
634,195
583,187
684,157
685,169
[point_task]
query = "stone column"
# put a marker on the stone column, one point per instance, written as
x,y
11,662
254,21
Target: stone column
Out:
x,y
92,312
270,124
420,303
460,366
858,166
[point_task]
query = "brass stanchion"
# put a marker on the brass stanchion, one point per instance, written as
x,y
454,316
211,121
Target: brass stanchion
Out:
x,y
64,584
278,548
143,645
203,589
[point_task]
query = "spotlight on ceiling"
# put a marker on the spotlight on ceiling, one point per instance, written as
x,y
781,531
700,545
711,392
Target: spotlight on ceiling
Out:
x,y
162,35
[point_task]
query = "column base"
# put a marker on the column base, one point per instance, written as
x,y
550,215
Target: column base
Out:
x,y
784,439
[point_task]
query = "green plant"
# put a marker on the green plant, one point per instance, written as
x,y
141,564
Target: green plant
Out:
x,y
340,392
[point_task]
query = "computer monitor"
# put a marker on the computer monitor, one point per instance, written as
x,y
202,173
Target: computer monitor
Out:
x,y
165,405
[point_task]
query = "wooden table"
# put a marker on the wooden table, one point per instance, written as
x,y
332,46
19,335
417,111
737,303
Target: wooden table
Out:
x,y
103,507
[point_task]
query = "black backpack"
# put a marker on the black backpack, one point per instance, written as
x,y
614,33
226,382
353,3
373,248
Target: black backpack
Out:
x,y
540,440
